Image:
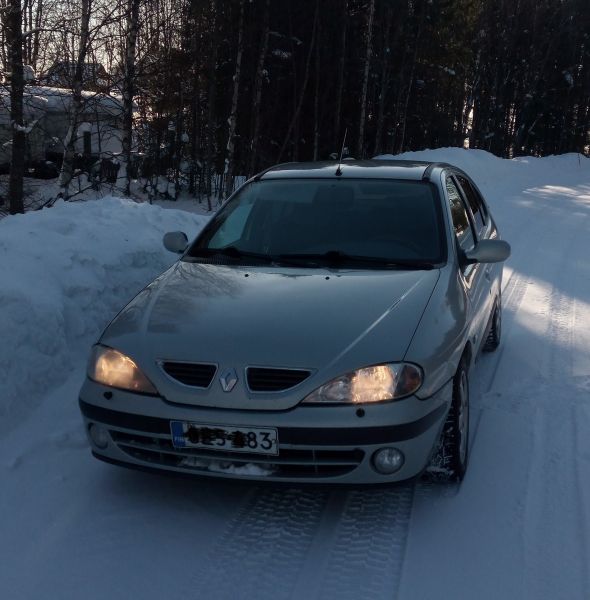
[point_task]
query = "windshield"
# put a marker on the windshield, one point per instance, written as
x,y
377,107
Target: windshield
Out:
x,y
314,221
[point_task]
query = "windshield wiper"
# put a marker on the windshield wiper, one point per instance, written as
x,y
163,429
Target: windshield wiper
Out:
x,y
337,257
230,252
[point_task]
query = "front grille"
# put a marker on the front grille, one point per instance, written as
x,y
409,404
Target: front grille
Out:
x,y
274,380
290,462
193,374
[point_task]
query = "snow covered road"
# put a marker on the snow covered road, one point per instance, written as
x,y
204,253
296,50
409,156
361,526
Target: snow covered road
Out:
x,y
518,527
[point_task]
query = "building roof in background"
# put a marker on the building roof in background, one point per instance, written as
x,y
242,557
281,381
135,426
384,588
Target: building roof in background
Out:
x,y
40,99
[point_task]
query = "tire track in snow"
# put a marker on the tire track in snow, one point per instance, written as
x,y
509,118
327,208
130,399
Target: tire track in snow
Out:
x,y
513,293
369,547
555,511
263,548
299,543
558,493
582,462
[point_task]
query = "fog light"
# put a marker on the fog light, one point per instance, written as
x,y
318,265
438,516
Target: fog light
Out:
x,y
388,460
98,435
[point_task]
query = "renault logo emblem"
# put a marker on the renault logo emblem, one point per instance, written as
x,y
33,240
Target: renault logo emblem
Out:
x,y
228,379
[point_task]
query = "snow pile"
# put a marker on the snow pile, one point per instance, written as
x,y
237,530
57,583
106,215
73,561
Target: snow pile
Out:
x,y
503,178
65,273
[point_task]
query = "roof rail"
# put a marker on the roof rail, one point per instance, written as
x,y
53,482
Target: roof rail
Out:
x,y
259,176
431,167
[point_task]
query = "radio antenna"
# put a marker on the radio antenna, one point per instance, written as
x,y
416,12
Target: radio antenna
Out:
x,y
339,170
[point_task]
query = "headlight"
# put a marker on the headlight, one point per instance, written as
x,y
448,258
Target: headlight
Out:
x,y
371,384
111,367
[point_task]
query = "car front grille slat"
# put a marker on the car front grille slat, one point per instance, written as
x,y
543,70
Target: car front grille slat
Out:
x,y
291,462
274,380
192,374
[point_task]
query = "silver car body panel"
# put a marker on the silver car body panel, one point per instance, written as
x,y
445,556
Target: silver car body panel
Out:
x,y
458,313
140,436
272,318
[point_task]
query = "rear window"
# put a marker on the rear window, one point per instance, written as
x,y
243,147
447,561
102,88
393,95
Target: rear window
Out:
x,y
396,220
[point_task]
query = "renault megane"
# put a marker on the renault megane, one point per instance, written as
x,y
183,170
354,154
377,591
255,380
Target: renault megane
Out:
x,y
321,327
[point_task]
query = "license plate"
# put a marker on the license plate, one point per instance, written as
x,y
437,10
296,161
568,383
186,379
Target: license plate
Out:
x,y
257,440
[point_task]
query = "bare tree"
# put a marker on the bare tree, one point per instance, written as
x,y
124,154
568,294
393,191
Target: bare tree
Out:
x,y
341,73
67,169
385,79
362,118
297,111
258,81
233,115
129,87
33,17
14,38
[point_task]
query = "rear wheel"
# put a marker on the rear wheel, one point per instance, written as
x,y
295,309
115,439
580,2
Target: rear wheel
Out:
x,y
495,334
450,461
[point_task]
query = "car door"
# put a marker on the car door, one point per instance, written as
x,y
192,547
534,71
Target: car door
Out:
x,y
472,277
484,229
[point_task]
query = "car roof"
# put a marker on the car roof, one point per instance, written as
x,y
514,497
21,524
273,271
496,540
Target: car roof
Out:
x,y
353,169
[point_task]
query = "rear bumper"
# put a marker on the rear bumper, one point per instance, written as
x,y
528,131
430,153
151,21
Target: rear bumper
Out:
x,y
338,448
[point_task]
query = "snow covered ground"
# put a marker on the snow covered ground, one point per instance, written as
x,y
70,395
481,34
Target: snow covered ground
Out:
x,y
518,527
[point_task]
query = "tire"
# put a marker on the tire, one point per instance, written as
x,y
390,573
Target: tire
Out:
x,y
495,333
450,460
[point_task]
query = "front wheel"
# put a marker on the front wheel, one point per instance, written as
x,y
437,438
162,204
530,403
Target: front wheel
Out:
x,y
450,460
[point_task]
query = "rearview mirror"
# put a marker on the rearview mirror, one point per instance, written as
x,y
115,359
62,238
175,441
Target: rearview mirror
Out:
x,y
175,241
488,251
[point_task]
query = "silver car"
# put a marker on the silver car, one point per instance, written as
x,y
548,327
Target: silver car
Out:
x,y
321,328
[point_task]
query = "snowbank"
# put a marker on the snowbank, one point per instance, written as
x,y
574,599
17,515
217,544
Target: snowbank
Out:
x,y
498,177
65,272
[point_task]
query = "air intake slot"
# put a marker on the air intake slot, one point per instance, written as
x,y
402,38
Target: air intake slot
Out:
x,y
274,380
194,374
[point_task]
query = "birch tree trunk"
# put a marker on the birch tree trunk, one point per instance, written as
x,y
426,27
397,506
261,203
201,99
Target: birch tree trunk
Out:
x,y
258,91
361,141
340,91
36,35
67,167
229,171
316,100
385,82
14,35
129,88
210,171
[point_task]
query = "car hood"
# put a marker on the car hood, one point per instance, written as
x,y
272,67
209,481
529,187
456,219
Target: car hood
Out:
x,y
326,321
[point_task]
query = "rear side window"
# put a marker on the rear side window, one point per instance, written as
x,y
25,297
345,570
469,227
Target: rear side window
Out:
x,y
461,224
475,203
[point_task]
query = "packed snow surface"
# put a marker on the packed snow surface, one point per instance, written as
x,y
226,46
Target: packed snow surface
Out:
x,y
517,528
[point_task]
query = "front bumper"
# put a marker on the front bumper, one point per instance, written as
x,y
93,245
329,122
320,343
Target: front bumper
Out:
x,y
316,444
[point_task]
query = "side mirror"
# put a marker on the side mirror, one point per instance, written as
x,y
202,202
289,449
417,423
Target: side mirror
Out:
x,y
175,241
488,251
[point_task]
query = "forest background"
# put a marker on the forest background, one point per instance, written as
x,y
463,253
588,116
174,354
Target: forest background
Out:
x,y
214,90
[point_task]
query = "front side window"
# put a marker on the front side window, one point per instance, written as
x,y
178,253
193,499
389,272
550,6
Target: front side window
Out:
x,y
397,221
461,224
